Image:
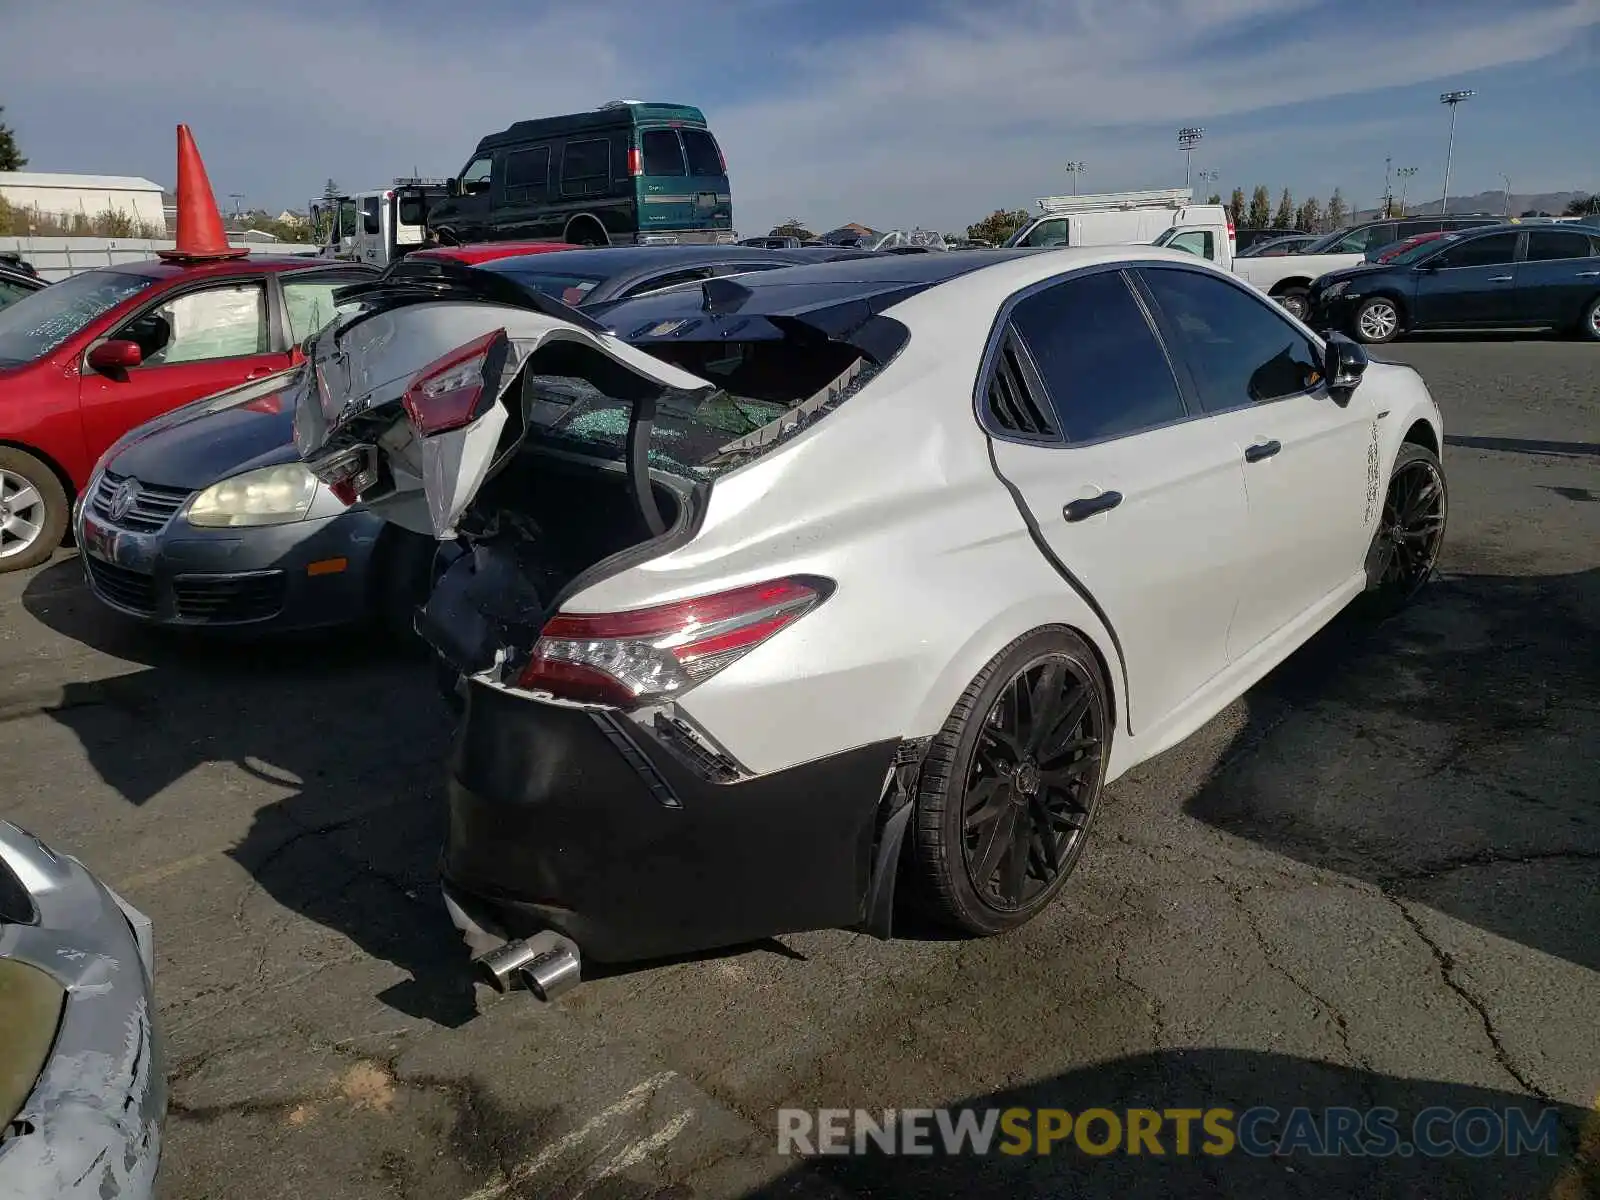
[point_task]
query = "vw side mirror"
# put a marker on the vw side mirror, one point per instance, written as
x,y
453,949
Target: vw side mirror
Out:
x,y
115,356
1343,363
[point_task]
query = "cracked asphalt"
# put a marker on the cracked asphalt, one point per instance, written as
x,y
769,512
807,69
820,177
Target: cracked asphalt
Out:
x,y
1374,880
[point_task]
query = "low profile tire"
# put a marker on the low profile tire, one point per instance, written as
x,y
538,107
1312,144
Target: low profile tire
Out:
x,y
1405,546
1377,321
1010,784
1296,301
1589,327
33,510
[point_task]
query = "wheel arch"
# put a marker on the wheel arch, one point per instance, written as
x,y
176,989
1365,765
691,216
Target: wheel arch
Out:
x,y
1068,612
1288,285
48,460
581,219
1422,433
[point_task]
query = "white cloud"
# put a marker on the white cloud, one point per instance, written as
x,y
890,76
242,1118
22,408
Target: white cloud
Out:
x,y
966,107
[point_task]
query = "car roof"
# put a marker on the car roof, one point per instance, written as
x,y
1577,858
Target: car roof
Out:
x,y
482,252
254,264
608,262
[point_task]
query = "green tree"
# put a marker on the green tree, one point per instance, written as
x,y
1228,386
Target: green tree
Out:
x,y
1309,217
10,157
1260,214
1337,212
1583,206
998,226
793,227
1284,217
1236,208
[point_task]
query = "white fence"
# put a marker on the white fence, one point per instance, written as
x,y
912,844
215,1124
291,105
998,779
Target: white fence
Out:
x,y
58,257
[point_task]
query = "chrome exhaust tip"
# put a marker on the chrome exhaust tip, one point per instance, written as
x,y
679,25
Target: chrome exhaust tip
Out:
x,y
546,964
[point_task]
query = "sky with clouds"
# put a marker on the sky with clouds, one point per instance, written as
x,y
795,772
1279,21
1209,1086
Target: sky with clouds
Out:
x,y
888,112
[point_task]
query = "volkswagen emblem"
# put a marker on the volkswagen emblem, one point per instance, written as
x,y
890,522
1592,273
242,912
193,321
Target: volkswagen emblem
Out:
x,y
123,499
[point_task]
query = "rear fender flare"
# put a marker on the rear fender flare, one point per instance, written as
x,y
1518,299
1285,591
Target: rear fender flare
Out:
x,y
1063,609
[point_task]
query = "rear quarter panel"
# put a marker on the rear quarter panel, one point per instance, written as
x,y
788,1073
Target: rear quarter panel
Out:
x,y
892,496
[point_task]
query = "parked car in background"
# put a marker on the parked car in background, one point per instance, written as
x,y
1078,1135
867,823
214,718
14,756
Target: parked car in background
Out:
x,y
1381,254
481,252
1501,277
10,260
83,1088
1274,247
85,360
1287,278
693,584
14,284
628,172
588,279
1246,240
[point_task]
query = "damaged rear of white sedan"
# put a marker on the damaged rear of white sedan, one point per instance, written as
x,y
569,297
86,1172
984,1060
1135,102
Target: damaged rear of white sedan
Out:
x,y
771,587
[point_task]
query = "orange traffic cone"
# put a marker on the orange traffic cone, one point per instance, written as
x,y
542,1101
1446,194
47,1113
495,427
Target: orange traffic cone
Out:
x,y
200,234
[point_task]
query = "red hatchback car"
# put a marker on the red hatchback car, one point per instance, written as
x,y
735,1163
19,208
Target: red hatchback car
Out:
x,y
87,359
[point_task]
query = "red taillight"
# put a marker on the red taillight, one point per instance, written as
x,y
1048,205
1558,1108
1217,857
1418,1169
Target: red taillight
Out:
x,y
448,393
721,157
350,474
627,659
635,164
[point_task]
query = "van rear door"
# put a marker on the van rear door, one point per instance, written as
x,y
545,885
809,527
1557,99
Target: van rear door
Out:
x,y
682,184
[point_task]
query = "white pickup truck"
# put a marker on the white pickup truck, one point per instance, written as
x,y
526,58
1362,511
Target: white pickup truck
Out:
x,y
1287,278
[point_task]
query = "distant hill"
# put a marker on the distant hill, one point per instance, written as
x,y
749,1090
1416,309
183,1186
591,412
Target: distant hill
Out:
x,y
1484,202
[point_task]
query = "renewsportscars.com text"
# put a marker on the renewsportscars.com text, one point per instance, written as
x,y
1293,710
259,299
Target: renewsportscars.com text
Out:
x,y
1258,1131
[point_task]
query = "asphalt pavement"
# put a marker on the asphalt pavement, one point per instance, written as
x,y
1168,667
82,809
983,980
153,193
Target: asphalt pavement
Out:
x,y
1374,880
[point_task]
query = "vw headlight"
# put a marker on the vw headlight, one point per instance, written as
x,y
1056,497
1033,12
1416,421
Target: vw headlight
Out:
x,y
1336,289
268,496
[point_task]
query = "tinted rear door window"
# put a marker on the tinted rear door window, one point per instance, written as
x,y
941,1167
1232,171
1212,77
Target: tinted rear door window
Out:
x,y
1100,361
1239,350
586,167
1491,251
701,148
1546,245
527,173
663,156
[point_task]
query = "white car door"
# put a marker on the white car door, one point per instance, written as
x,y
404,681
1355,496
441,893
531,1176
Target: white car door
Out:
x,y
1142,507
1304,451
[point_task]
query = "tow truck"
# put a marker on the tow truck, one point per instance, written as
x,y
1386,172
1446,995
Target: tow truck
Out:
x,y
377,227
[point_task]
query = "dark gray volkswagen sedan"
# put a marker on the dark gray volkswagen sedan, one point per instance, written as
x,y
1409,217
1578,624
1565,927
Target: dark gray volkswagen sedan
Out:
x,y
206,518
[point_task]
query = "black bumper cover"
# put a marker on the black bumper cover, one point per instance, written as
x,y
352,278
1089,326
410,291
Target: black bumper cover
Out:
x,y
588,824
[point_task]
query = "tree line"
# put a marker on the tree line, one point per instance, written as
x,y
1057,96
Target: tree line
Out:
x,y
1310,216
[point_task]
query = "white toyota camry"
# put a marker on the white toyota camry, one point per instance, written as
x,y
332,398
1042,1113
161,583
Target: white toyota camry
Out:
x,y
777,595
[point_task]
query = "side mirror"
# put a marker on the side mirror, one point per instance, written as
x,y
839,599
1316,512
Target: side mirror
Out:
x,y
452,188
1343,363
475,187
114,357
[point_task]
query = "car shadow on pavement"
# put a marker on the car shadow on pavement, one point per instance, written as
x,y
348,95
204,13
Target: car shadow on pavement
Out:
x,y
1523,445
334,744
1561,1160
1446,755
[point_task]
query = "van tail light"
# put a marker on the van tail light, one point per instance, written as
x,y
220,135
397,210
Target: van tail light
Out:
x,y
721,157
647,655
1232,236
635,165
455,389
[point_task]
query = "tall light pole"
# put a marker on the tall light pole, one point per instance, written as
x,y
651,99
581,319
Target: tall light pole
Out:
x,y
1075,169
1507,178
1188,138
1210,176
1405,174
1388,192
1453,99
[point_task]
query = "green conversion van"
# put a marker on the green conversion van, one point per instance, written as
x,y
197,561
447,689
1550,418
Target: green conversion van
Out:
x,y
629,172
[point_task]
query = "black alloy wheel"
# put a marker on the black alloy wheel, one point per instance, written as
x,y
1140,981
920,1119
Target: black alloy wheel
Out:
x,y
1410,533
1010,785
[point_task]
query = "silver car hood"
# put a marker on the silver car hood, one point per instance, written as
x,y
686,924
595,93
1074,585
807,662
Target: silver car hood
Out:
x,y
91,1127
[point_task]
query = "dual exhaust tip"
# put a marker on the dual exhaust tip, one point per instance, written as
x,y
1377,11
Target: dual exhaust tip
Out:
x,y
546,964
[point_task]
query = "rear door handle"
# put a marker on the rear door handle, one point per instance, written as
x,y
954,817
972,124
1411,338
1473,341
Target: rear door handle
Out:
x,y
1499,279
1261,450
1080,510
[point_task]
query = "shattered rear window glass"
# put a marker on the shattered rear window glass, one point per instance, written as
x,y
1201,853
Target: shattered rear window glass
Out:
x,y
695,435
